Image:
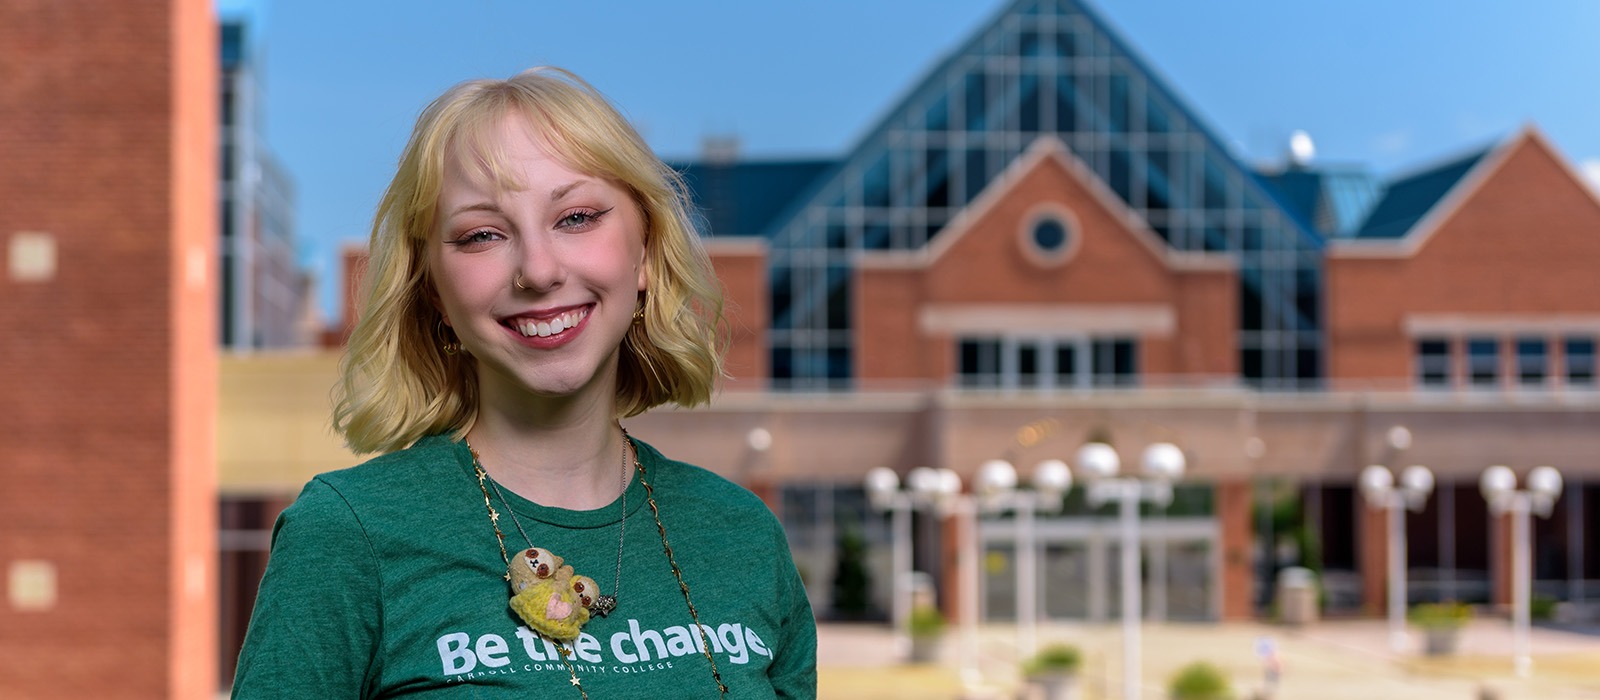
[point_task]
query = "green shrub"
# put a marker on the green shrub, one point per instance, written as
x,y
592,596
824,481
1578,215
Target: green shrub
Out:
x,y
1055,658
926,621
852,582
1440,615
1200,681
1542,607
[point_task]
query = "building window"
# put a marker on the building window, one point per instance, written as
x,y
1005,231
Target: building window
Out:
x,y
1115,362
1433,362
1046,363
1483,362
1029,374
1067,373
1580,361
1533,361
978,362
1050,235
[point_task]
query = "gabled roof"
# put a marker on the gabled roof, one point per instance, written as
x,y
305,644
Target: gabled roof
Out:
x,y
742,198
1335,200
1407,200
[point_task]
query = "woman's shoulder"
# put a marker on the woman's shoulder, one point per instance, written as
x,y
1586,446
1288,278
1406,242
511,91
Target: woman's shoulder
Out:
x,y
404,475
692,482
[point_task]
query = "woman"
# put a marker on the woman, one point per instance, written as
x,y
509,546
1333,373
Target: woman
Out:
x,y
534,277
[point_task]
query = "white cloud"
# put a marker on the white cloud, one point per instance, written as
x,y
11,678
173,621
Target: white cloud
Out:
x,y
1591,171
1393,143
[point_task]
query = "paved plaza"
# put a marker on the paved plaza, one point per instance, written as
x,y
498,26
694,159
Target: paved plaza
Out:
x,y
1327,660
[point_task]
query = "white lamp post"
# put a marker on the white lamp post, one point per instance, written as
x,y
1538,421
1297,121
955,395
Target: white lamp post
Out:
x,y
883,493
939,490
1378,488
1163,463
997,490
1499,486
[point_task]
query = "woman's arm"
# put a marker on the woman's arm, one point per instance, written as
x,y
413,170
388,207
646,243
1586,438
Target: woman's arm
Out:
x,y
317,625
794,664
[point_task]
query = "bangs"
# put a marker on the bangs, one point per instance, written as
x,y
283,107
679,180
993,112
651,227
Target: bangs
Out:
x,y
473,146
476,150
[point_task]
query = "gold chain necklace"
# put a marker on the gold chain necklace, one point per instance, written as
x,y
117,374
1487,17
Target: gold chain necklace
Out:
x,y
603,604
655,511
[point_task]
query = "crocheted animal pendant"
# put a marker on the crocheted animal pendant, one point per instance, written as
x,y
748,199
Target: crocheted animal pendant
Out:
x,y
548,596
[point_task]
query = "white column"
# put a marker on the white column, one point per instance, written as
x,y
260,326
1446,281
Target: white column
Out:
x,y
1397,573
1027,580
900,596
1129,498
967,515
1521,580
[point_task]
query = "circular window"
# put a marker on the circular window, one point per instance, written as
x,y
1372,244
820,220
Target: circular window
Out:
x,y
1050,235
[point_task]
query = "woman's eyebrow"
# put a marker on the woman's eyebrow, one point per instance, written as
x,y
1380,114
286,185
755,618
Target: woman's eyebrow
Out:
x,y
479,206
562,191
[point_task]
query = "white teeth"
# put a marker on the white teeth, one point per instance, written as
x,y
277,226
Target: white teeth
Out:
x,y
544,329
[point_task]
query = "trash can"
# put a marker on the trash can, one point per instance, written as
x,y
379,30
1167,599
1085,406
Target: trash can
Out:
x,y
1297,596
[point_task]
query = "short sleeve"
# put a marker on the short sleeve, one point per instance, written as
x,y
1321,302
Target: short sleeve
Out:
x,y
794,669
317,625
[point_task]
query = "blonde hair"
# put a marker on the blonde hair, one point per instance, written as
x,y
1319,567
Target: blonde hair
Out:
x,y
397,385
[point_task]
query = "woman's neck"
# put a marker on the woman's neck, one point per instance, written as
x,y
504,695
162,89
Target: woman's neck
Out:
x,y
556,454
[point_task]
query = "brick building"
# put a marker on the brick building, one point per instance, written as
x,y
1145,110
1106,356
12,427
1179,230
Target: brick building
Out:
x,y
1042,241
108,217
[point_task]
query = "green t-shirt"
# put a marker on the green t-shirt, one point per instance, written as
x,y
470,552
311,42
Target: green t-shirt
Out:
x,y
386,580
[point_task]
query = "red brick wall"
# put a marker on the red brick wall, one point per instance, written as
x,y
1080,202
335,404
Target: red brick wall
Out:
x,y
889,344
109,145
742,268
1373,558
1206,343
1525,242
1238,581
986,262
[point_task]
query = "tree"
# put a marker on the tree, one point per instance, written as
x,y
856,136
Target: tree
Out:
x,y
852,583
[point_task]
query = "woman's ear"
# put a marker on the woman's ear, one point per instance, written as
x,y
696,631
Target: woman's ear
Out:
x,y
438,305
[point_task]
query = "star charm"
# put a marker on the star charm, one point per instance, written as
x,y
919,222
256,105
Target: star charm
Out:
x,y
604,605
494,516
575,680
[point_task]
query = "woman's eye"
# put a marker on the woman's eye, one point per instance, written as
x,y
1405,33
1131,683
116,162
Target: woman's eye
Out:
x,y
580,219
475,237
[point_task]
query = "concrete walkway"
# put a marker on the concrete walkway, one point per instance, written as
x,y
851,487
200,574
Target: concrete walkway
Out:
x,y
1324,661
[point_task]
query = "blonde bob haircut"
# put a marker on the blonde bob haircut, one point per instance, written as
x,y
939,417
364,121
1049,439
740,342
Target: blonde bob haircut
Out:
x,y
396,382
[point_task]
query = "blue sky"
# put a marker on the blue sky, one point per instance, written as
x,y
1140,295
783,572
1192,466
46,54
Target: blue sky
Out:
x,y
1392,85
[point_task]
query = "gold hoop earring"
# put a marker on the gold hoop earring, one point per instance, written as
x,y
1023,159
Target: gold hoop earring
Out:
x,y
450,348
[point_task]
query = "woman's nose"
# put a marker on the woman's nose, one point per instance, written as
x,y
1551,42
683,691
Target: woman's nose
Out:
x,y
542,268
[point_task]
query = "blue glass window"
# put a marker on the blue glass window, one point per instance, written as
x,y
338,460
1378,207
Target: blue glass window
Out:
x,y
1483,362
1532,361
1580,356
1433,362
1050,235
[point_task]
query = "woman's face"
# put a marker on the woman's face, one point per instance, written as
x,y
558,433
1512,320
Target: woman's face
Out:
x,y
574,243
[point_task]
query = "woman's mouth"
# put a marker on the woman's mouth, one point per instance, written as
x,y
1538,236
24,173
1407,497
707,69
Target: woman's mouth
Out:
x,y
547,327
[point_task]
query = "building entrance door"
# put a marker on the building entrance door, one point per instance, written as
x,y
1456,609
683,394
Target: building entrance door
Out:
x,y
1079,578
